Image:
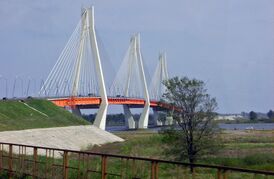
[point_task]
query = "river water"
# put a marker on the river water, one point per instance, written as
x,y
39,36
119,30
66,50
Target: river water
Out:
x,y
254,126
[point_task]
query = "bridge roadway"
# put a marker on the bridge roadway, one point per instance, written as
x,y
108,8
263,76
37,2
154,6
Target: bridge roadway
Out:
x,y
94,102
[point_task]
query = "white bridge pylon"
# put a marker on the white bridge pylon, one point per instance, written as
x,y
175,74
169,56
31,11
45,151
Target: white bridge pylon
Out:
x,y
130,81
78,71
157,88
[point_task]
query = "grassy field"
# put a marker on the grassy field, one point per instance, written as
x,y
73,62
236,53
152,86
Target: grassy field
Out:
x,y
15,115
149,144
245,149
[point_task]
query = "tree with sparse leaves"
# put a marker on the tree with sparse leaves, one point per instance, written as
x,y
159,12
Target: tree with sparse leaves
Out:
x,y
194,114
252,115
270,114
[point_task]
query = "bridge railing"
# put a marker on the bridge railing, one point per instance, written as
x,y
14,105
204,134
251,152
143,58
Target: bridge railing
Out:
x,y
19,161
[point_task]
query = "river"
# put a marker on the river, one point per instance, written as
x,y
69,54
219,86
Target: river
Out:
x,y
244,126
255,126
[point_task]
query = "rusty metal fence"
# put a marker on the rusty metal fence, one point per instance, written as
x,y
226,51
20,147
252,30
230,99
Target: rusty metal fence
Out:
x,y
25,161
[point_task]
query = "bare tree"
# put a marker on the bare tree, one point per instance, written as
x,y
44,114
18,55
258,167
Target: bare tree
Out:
x,y
195,115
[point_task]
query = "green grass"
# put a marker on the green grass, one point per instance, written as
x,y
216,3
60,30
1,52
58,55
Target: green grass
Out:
x,y
142,146
252,139
248,145
256,161
15,115
245,151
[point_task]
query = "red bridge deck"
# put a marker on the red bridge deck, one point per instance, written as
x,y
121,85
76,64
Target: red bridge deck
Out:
x,y
96,101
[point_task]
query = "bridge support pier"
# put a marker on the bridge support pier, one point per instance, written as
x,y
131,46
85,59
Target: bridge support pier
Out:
x,y
101,117
169,120
143,121
156,120
76,111
130,122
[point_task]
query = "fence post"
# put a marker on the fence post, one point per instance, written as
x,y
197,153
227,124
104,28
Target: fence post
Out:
x,y
154,170
34,171
1,156
65,165
224,174
219,172
104,166
10,160
193,174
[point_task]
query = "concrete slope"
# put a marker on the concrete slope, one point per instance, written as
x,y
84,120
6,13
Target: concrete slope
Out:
x,y
72,137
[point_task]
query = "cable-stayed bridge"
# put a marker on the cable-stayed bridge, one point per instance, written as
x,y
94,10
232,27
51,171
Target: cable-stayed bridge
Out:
x,y
77,79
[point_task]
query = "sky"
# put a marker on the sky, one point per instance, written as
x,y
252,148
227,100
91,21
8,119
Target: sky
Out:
x,y
227,44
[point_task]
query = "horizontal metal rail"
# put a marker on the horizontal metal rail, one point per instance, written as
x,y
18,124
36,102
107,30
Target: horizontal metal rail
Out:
x,y
46,162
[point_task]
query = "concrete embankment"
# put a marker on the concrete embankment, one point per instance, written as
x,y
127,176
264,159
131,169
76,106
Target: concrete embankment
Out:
x,y
72,137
